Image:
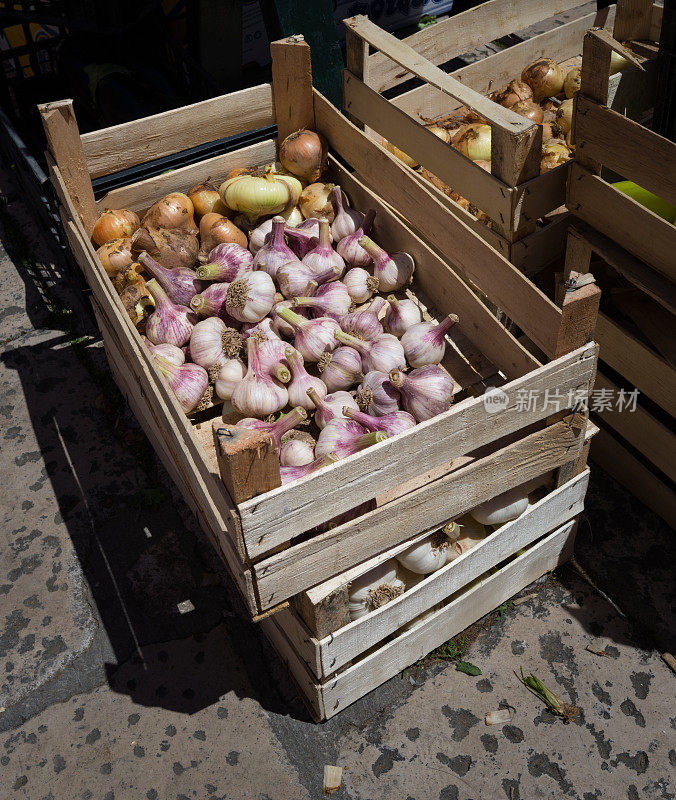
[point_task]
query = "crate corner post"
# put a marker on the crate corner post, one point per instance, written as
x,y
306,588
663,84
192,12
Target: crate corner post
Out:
x,y
292,85
65,146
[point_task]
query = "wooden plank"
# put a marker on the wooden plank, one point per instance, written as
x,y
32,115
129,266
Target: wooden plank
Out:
x,y
631,225
307,563
463,33
437,279
628,471
457,171
634,19
654,323
339,692
532,253
515,158
493,72
637,363
626,147
292,85
357,62
547,514
633,269
580,308
418,66
456,242
273,519
300,637
538,196
164,443
63,140
122,146
247,460
650,437
141,195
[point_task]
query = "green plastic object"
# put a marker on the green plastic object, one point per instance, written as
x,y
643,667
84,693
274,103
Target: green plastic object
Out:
x,y
648,199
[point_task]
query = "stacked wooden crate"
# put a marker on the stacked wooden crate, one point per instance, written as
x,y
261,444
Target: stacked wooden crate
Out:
x,y
637,328
282,554
526,209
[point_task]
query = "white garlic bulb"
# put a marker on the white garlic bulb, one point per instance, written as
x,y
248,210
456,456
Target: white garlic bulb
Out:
x,y
374,589
426,556
464,534
503,508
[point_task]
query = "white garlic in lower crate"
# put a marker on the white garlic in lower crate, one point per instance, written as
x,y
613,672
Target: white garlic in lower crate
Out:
x,y
426,556
374,589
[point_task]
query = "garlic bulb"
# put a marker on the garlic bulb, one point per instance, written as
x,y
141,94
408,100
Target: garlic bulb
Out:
x,y
261,330
365,324
350,249
383,354
425,342
425,392
257,395
250,298
296,453
376,395
374,589
331,406
273,358
426,556
280,427
179,283
169,323
275,251
312,337
290,474
212,343
189,382
329,300
360,284
393,423
323,259
173,354
341,369
346,220
464,534
229,374
394,271
279,326
227,263
301,381
343,438
503,508
294,278
400,315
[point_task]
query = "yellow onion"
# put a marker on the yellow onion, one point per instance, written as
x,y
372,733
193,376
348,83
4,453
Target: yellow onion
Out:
x,y
115,255
572,81
114,224
400,154
564,115
551,130
618,62
485,165
544,77
514,92
173,212
304,154
206,200
475,143
315,201
259,196
530,110
131,276
554,153
442,133
216,229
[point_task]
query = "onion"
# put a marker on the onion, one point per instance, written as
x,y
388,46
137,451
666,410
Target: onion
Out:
x,y
216,229
554,153
315,201
400,154
572,81
115,255
564,115
206,200
529,109
514,92
442,133
551,130
544,77
172,212
304,154
114,224
475,143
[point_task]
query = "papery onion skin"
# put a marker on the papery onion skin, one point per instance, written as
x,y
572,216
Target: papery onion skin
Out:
x,y
315,201
206,200
512,93
545,78
216,229
304,153
564,115
259,196
115,255
529,110
572,81
475,143
114,224
401,155
172,212
171,248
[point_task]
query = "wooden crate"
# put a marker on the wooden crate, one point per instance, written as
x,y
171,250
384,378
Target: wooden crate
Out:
x,y
637,447
514,195
448,464
328,696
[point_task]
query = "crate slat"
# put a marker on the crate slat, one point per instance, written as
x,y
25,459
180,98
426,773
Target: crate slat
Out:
x,y
349,642
327,699
130,143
